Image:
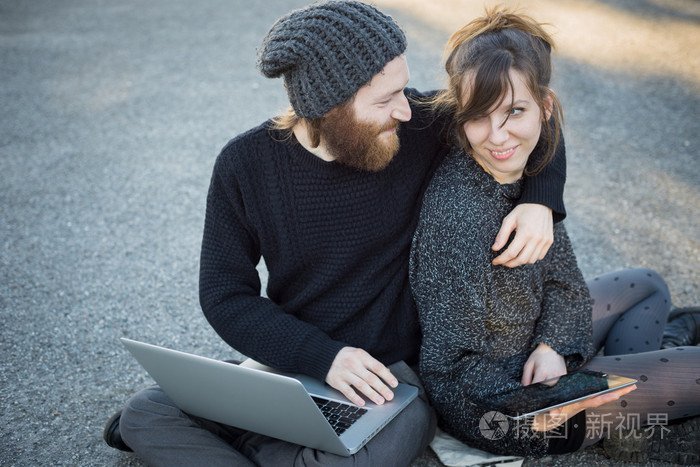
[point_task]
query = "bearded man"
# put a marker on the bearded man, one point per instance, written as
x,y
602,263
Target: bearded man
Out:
x,y
329,195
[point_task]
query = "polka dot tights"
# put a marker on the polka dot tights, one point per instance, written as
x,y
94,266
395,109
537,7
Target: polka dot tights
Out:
x,y
629,315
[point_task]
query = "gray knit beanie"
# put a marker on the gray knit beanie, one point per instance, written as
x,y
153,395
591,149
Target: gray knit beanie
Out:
x,y
327,51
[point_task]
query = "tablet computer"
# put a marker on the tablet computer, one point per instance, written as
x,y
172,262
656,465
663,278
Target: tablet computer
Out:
x,y
544,396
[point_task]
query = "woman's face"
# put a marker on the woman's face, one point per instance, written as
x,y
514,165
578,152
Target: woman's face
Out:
x,y
502,147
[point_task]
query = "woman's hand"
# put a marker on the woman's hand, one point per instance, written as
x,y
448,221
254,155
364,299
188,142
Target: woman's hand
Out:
x,y
544,363
534,234
555,417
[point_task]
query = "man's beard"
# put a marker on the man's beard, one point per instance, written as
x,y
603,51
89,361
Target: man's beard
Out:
x,y
356,143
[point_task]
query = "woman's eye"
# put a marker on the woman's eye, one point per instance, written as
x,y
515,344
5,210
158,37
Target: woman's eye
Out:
x,y
516,110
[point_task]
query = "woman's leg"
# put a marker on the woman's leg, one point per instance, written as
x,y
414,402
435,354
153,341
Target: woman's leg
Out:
x,y
629,315
630,308
668,384
668,389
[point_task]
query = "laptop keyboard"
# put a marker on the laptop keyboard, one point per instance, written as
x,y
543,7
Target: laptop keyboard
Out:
x,y
340,416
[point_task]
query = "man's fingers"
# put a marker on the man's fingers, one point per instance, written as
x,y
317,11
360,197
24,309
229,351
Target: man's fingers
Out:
x,y
376,368
533,235
354,370
366,389
523,250
539,253
507,228
519,252
378,386
372,378
350,393
525,256
511,252
374,388
540,250
369,386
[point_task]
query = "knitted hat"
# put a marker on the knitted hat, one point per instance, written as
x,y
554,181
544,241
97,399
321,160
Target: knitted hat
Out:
x,y
327,51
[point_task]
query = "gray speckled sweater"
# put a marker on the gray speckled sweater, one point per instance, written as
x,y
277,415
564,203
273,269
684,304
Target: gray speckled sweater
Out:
x,y
481,322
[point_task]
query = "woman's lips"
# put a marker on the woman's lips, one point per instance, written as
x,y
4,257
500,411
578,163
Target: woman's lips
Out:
x,y
504,154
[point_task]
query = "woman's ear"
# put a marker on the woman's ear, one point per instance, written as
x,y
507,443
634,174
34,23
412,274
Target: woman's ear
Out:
x,y
548,102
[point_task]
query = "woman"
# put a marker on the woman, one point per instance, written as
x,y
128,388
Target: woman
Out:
x,y
489,330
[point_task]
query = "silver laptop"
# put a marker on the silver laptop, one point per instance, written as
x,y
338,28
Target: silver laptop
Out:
x,y
290,407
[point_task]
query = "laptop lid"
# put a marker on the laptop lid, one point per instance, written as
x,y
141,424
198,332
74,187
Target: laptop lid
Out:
x,y
275,404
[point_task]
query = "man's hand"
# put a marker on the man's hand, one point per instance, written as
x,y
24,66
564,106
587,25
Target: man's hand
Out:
x,y
354,369
543,363
534,234
556,417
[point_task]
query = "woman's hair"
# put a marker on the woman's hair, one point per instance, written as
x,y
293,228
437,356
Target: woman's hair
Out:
x,y
485,51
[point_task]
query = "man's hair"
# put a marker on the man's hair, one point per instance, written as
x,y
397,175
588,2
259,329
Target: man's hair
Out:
x,y
289,119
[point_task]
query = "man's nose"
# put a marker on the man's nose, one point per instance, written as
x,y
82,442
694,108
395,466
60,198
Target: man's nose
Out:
x,y
402,112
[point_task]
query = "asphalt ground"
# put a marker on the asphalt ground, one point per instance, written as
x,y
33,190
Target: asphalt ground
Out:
x,y
113,113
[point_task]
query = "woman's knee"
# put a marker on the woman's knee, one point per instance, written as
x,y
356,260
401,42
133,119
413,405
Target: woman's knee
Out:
x,y
655,280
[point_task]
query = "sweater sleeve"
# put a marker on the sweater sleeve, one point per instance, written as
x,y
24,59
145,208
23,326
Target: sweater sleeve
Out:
x,y
547,186
565,323
229,289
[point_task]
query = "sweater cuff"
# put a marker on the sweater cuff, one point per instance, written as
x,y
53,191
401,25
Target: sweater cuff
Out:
x,y
547,186
317,355
545,193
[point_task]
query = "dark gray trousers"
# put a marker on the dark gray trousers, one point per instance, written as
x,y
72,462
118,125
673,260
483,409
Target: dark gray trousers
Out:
x,y
163,435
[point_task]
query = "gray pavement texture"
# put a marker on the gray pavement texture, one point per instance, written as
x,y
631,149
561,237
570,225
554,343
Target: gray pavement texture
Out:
x,y
113,113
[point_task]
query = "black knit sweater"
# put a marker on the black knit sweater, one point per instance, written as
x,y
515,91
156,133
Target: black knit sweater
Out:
x,y
335,241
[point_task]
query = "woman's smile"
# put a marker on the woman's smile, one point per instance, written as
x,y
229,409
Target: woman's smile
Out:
x,y
504,154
